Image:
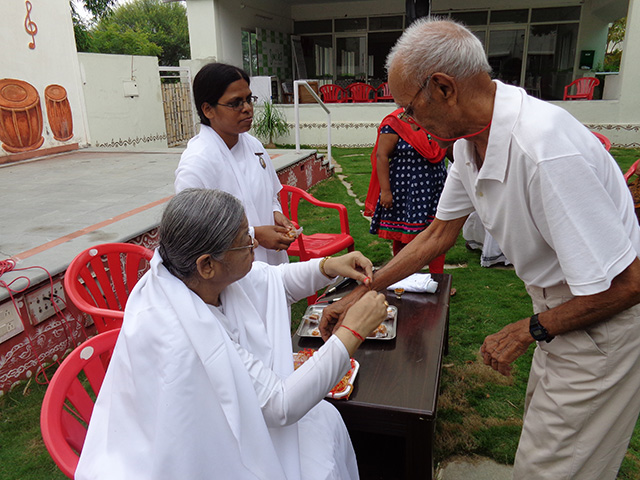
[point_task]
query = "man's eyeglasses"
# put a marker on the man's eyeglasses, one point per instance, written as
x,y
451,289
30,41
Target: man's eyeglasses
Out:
x,y
238,105
251,246
407,114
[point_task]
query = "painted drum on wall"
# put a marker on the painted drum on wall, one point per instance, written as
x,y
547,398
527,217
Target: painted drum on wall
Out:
x,y
20,116
59,112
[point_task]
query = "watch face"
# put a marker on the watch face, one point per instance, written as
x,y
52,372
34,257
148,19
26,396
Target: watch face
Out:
x,y
538,333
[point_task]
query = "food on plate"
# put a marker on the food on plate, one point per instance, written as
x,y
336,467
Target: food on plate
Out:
x,y
381,331
344,387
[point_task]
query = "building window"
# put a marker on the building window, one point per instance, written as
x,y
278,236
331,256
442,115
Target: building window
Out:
x,y
312,26
533,48
352,49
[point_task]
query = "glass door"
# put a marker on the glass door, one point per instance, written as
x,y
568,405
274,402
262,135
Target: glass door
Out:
x,y
351,55
506,52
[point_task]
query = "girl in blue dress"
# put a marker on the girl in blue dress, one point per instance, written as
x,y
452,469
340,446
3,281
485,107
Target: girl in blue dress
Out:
x,y
408,174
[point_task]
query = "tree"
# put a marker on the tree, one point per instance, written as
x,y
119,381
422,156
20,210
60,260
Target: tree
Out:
x,y
143,27
269,123
615,37
111,39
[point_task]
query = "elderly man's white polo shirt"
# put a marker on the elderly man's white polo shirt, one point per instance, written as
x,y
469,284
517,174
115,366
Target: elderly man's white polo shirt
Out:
x,y
548,192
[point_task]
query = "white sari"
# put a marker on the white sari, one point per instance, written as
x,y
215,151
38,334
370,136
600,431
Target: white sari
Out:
x,y
195,393
207,162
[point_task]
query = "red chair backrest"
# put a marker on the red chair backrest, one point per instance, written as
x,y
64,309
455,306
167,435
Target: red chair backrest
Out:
x,y
68,401
100,279
383,92
290,206
584,88
332,93
606,143
361,92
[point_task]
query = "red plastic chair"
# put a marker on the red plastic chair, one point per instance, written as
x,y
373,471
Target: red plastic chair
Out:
x,y
316,245
68,401
100,279
633,170
361,92
606,143
584,88
383,93
332,93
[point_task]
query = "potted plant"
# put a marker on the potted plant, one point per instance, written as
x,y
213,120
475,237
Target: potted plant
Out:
x,y
269,123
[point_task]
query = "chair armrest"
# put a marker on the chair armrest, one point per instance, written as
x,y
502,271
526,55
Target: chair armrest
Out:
x,y
101,312
632,170
342,210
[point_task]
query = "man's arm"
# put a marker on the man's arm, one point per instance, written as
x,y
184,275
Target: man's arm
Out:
x,y
439,237
501,349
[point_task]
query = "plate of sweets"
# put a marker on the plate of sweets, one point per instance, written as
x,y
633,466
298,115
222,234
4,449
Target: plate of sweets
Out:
x,y
344,387
309,325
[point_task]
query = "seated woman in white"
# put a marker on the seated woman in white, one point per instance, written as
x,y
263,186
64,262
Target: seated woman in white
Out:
x,y
201,383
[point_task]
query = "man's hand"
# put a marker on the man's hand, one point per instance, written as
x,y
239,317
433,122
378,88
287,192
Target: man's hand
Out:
x,y
503,348
333,314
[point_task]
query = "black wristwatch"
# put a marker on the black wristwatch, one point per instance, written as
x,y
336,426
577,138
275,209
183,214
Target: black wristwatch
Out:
x,y
538,332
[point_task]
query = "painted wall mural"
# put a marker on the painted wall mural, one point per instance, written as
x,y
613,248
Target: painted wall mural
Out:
x,y
59,112
20,116
29,26
274,53
21,120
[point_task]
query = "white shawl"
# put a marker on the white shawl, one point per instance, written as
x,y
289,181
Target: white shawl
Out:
x,y
207,162
176,350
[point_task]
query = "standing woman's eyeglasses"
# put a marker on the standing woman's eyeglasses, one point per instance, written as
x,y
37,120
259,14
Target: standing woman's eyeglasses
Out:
x,y
238,105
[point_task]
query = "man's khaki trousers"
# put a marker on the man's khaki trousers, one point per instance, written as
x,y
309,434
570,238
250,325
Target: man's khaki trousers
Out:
x,y
583,397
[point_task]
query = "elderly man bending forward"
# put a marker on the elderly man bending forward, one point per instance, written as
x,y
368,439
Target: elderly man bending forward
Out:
x,y
557,204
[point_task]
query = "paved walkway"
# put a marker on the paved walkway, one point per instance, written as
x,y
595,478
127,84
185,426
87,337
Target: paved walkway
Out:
x,y
477,468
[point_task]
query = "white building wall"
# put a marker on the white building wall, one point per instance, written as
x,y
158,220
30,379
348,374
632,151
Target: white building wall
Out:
x,y
53,60
215,26
124,101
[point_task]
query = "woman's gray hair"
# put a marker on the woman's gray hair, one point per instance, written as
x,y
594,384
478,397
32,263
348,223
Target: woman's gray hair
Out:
x,y
433,44
196,222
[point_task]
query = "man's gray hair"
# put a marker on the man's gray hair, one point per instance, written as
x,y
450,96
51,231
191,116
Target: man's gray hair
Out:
x,y
433,44
197,221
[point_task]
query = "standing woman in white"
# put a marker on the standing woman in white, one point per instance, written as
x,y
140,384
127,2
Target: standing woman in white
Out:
x,y
224,156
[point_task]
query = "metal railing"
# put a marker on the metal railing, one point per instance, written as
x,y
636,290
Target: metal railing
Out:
x,y
296,109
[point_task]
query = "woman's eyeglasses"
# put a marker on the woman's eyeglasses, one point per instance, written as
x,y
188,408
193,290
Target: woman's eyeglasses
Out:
x,y
251,246
238,105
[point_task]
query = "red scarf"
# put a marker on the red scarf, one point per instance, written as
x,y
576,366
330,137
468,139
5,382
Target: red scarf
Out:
x,y
419,140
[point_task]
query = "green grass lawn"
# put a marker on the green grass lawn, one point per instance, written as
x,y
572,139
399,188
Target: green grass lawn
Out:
x,y
479,411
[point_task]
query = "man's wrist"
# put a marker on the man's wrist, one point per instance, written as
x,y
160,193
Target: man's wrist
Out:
x,y
537,330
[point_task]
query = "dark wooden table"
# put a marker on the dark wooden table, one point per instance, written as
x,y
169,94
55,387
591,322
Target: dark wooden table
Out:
x,y
392,411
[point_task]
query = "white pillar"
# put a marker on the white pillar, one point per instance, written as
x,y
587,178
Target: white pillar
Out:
x,y
204,29
630,67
